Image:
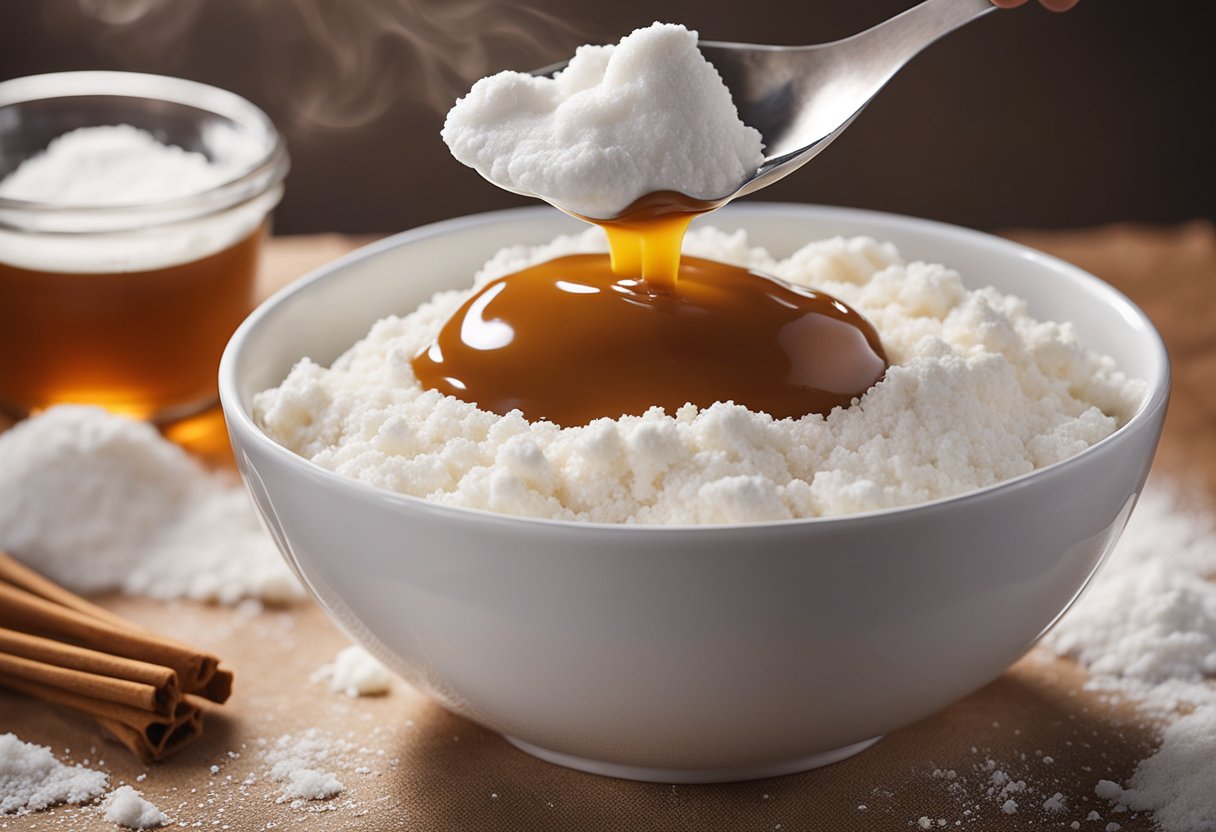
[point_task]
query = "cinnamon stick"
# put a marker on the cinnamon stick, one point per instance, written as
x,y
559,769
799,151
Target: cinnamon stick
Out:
x,y
133,683
90,661
219,688
151,736
26,612
169,740
15,572
160,701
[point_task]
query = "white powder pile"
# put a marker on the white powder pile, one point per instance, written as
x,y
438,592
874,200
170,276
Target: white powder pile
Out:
x,y
117,165
32,779
295,761
1148,623
126,807
978,392
267,777
1146,631
356,672
114,165
620,122
1146,628
99,502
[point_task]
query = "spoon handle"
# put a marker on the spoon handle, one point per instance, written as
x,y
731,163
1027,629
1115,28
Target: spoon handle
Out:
x,y
899,39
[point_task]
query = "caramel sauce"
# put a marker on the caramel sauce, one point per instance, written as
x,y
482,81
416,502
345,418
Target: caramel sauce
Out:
x,y
145,343
591,335
570,341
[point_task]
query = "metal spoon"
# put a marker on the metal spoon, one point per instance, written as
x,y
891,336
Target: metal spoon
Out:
x,y
800,98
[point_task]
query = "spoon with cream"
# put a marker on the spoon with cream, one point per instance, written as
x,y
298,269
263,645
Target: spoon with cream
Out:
x,y
660,112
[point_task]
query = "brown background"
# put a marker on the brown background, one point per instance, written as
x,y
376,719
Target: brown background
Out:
x,y
1024,118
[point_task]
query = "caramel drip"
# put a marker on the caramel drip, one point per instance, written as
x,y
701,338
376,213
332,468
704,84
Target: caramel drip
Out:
x,y
645,240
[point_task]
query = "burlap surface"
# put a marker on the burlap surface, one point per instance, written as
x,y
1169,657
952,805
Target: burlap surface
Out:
x,y
409,765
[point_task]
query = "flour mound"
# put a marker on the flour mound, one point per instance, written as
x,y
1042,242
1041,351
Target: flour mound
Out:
x,y
126,807
1146,628
978,392
32,779
648,114
115,165
295,762
356,672
1149,618
99,502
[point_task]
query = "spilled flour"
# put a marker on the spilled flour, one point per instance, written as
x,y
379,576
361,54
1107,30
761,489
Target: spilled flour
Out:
x,y
100,502
355,672
31,779
126,807
296,762
1146,630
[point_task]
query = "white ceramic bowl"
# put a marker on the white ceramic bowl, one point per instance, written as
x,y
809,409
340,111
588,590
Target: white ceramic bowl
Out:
x,y
686,654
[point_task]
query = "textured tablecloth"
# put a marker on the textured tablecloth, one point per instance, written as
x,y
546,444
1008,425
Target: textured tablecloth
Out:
x,y
409,765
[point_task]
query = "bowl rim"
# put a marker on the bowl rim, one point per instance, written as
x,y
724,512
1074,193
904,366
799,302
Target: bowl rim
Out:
x,y
240,419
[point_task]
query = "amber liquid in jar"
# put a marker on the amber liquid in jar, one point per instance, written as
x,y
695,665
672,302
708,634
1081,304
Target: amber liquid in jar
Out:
x,y
143,343
590,336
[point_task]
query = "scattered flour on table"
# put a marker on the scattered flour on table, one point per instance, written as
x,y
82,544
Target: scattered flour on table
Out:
x,y
619,122
356,672
297,772
1055,803
32,779
1146,629
100,502
295,762
126,807
1147,624
978,392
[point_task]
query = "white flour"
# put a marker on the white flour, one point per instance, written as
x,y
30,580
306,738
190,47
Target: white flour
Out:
x,y
649,114
297,772
1148,623
113,165
99,502
127,807
1146,628
356,672
119,165
295,762
978,392
32,779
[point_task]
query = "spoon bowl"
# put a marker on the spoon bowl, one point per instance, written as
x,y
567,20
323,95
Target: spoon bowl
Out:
x,y
801,98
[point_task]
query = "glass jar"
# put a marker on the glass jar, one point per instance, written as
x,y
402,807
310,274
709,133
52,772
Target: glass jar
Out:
x,y
129,305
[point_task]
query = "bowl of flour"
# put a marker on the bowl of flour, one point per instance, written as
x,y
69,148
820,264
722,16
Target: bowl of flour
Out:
x,y
709,594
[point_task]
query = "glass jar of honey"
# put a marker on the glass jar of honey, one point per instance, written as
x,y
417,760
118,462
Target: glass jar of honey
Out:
x,y
126,299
